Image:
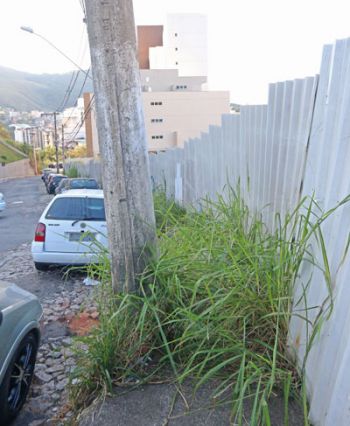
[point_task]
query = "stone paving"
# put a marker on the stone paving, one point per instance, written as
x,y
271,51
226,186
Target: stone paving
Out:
x,y
16,263
55,359
64,299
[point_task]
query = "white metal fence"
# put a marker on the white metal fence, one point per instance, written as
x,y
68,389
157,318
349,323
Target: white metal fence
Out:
x,y
296,145
253,147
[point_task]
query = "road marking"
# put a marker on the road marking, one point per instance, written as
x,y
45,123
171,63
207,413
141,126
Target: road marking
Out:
x,y
17,202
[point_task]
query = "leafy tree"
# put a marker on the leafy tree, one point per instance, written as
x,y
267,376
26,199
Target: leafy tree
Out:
x,y
4,134
78,152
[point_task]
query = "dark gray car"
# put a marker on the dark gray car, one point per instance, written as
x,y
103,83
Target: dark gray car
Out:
x,y
20,313
76,183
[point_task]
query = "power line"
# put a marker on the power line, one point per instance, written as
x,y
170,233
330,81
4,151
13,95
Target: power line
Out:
x,y
87,111
66,92
69,90
84,82
77,128
82,4
80,93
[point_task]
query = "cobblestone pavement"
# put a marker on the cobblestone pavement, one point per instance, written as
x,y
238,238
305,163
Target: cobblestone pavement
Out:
x,y
63,296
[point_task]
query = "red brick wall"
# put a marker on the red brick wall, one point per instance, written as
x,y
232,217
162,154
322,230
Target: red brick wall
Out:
x,y
148,36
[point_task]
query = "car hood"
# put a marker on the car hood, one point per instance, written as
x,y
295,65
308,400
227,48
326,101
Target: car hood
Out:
x,y
12,295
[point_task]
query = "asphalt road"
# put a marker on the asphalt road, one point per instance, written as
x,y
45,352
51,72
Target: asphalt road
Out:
x,y
26,200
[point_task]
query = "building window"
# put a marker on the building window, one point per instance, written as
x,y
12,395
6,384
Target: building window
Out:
x,y
176,63
156,103
157,137
175,34
176,49
181,87
156,120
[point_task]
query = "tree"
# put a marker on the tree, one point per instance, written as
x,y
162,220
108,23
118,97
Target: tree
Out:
x,y
4,134
122,138
77,152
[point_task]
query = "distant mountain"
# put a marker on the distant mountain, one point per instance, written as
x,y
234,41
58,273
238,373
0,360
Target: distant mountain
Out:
x,y
43,92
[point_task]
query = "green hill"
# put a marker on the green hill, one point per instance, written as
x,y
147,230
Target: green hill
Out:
x,y
44,92
8,155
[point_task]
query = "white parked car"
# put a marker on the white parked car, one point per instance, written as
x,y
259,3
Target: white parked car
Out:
x,y
2,203
72,230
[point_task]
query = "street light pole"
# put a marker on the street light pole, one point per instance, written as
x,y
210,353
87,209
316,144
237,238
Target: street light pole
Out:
x,y
31,31
54,114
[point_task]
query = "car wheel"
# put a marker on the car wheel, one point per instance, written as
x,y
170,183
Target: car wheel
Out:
x,y
41,266
17,379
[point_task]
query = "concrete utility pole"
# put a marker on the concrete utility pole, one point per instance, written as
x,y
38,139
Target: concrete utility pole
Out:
x,y
54,115
56,140
122,138
63,153
34,136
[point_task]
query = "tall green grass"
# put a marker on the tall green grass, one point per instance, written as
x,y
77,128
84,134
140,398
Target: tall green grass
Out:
x,y
216,303
72,172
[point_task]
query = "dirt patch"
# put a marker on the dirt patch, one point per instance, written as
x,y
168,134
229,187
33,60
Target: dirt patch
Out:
x,y
82,324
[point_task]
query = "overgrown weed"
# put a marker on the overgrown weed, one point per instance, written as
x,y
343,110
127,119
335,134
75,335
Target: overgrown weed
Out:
x,y
72,172
215,304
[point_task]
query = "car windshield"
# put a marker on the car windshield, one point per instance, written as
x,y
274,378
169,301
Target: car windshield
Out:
x,y
77,208
58,178
83,184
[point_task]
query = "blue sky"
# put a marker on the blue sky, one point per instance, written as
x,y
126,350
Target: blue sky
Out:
x,y
251,42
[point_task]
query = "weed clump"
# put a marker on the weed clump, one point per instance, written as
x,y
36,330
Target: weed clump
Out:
x,y
216,303
72,172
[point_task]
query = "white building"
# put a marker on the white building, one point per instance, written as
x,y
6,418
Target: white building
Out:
x,y
33,135
175,110
72,119
185,45
173,69
21,133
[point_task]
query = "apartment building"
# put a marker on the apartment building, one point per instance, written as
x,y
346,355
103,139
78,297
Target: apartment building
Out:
x,y
35,136
177,109
185,45
71,121
173,71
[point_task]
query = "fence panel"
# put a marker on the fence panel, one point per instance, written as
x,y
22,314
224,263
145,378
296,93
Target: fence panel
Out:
x,y
295,146
327,176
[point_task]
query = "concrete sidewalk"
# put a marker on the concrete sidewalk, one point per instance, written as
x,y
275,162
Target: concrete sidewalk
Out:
x,y
167,405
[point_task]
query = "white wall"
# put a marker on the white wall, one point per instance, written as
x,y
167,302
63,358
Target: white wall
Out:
x,y
17,169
